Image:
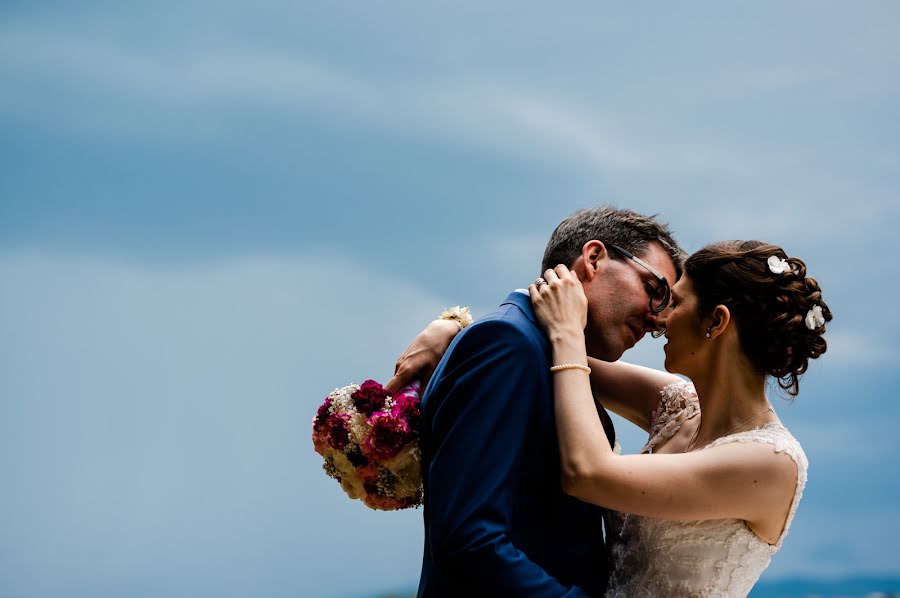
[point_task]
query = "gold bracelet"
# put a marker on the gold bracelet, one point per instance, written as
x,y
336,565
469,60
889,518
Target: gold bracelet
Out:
x,y
458,314
570,366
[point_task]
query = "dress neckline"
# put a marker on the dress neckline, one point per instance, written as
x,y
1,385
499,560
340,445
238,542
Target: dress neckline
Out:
x,y
775,424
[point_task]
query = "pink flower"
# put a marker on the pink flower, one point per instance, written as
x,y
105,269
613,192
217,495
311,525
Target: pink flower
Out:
x,y
408,407
383,503
389,434
320,428
322,414
370,397
337,430
368,473
383,469
318,442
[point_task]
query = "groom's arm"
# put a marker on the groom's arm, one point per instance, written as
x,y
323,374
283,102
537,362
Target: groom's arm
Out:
x,y
486,392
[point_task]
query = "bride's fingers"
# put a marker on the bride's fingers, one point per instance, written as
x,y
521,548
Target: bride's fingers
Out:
x,y
562,271
560,275
565,274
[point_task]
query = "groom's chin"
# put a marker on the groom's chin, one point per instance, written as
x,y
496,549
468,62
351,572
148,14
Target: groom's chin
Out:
x,y
604,351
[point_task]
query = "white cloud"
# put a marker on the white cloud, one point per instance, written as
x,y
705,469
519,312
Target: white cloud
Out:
x,y
158,420
116,88
110,83
571,131
172,75
551,129
823,439
786,77
852,348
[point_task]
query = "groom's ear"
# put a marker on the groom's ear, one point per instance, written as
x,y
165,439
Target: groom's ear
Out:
x,y
593,260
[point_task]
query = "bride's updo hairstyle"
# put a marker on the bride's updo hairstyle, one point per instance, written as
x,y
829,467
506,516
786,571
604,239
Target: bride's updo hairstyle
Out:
x,y
778,327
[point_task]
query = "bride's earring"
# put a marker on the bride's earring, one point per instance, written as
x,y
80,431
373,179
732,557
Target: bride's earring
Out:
x,y
709,332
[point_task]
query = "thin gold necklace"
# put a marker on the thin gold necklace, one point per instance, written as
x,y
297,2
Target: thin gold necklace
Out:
x,y
697,431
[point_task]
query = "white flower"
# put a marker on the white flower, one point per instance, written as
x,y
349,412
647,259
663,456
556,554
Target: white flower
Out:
x,y
461,315
814,318
342,400
778,265
359,429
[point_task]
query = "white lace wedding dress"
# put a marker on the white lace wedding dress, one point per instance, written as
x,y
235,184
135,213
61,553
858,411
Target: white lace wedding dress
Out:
x,y
719,557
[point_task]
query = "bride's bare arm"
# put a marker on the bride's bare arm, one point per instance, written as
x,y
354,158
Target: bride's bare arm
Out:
x,y
631,391
741,481
423,354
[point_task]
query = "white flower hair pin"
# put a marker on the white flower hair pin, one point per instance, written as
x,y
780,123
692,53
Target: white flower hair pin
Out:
x,y
815,318
778,265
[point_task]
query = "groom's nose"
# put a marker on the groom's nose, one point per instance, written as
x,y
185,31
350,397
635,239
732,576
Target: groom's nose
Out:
x,y
654,322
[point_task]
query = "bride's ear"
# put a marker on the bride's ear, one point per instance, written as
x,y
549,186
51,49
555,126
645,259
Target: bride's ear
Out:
x,y
721,318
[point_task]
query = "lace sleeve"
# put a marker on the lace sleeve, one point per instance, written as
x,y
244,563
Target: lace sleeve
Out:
x,y
678,403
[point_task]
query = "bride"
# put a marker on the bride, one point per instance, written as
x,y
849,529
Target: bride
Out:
x,y
711,497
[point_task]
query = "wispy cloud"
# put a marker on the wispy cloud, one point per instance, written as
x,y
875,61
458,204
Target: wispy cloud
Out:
x,y
853,348
572,132
787,77
103,77
170,410
109,85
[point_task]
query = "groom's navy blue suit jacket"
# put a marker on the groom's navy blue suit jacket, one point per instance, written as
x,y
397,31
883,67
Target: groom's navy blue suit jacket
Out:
x,y
496,519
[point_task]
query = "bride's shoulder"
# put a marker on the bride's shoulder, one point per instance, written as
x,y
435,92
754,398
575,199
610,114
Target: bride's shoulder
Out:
x,y
773,435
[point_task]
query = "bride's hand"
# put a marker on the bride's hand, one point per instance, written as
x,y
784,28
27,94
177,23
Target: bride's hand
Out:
x,y
560,305
423,354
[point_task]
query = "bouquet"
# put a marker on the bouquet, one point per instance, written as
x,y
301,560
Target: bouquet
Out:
x,y
370,443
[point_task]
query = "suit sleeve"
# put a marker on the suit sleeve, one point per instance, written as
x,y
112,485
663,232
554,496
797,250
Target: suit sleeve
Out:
x,y
486,396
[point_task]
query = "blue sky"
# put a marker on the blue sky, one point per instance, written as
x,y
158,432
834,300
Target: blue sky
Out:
x,y
213,213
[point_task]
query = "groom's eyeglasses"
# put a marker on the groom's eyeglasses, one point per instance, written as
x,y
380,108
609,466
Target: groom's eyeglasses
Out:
x,y
660,295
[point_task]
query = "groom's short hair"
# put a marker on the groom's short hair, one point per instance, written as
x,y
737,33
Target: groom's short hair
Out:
x,y
613,226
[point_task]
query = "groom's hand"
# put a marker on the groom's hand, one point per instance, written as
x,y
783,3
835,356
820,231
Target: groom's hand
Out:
x,y
423,354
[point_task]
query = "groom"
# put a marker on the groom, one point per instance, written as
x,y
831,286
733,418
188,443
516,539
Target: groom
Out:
x,y
497,522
